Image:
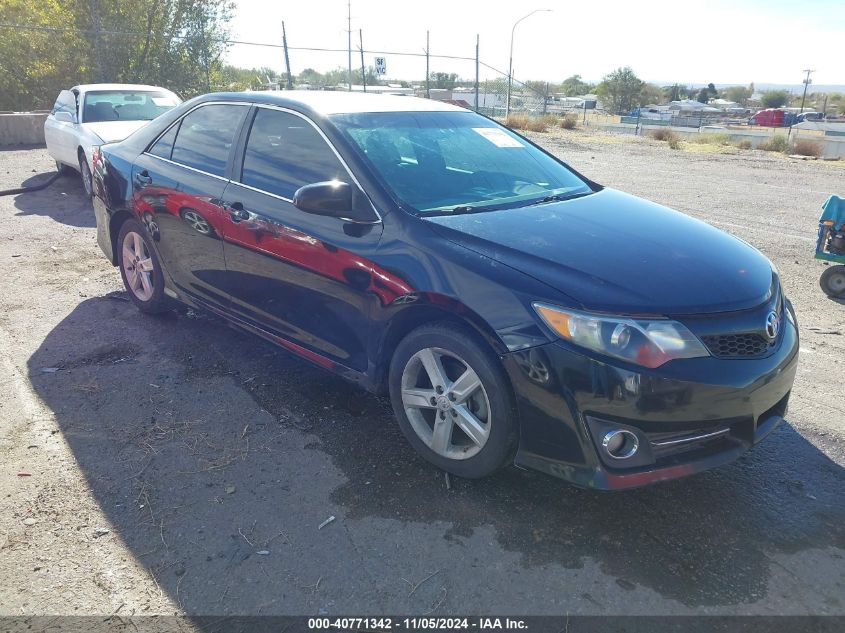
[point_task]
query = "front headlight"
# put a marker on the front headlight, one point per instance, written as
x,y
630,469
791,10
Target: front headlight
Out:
x,y
646,342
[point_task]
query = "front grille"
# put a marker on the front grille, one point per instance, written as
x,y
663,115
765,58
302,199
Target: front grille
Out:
x,y
736,345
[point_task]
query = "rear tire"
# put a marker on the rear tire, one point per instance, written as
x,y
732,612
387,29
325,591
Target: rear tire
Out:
x,y
140,268
85,173
453,400
833,281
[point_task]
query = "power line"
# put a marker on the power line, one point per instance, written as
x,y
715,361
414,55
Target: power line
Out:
x,y
224,40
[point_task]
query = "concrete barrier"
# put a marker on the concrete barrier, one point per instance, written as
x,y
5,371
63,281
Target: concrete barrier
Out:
x,y
26,128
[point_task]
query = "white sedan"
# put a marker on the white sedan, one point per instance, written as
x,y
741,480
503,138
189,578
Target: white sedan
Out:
x,y
87,116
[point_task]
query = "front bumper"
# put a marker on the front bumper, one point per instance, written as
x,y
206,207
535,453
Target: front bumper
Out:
x,y
689,415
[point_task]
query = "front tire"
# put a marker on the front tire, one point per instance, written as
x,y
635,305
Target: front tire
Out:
x,y
453,400
833,281
140,268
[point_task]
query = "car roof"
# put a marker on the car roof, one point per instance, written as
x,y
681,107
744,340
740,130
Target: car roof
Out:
x,y
327,102
90,87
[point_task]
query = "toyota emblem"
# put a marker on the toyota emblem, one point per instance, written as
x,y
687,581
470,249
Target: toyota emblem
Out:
x,y
772,325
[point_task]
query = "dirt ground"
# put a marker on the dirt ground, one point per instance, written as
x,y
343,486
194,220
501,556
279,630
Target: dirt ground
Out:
x,y
172,465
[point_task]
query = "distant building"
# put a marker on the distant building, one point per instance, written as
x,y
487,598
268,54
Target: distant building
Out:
x,y
722,104
438,94
690,106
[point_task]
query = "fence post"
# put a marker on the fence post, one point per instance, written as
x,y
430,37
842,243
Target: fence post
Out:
x,y
427,84
363,70
477,41
349,41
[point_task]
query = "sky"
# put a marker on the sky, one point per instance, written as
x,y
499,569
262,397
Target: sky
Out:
x,y
720,41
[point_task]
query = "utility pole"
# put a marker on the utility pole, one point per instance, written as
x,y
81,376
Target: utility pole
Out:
x,y
807,82
349,33
477,41
287,59
427,84
510,63
363,71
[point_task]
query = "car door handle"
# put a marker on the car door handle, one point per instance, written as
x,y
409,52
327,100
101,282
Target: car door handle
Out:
x,y
237,213
144,177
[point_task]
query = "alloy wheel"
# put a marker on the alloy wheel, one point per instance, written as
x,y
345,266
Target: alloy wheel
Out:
x,y
446,403
138,266
196,222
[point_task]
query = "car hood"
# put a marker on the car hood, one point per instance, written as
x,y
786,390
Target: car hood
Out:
x,y
614,252
111,131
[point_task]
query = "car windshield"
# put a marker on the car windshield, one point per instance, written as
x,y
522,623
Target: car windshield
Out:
x,y
456,162
126,105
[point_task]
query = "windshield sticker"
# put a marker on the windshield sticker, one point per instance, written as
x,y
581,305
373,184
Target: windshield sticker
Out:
x,y
498,137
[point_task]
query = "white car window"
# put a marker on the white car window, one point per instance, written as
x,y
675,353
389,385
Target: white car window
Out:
x,y
66,102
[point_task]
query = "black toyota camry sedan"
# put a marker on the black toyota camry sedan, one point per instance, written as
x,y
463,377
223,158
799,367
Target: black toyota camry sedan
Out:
x,y
514,310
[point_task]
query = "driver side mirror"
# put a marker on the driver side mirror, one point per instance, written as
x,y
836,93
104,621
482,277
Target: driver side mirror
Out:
x,y
64,117
336,199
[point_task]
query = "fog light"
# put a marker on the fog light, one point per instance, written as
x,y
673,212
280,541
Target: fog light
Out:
x,y
620,444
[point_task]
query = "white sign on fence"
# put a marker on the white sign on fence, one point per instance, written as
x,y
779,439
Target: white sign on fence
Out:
x,y
381,66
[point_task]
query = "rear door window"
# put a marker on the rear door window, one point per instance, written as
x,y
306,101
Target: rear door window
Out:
x,y
163,147
206,136
285,152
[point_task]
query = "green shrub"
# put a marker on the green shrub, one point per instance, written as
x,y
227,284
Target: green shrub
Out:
x,y
776,143
674,141
805,147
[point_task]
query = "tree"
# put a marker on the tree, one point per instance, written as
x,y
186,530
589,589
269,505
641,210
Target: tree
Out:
x,y
177,44
707,93
36,65
540,88
837,101
311,77
443,80
775,98
677,92
620,90
672,93
574,86
651,94
737,94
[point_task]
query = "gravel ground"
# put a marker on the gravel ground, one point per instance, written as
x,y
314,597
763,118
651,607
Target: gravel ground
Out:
x,y
164,465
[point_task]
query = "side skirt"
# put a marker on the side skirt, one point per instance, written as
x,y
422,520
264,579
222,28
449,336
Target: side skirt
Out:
x,y
359,378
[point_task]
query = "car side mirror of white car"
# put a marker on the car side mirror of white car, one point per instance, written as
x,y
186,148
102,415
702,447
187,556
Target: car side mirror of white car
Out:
x,y
65,117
